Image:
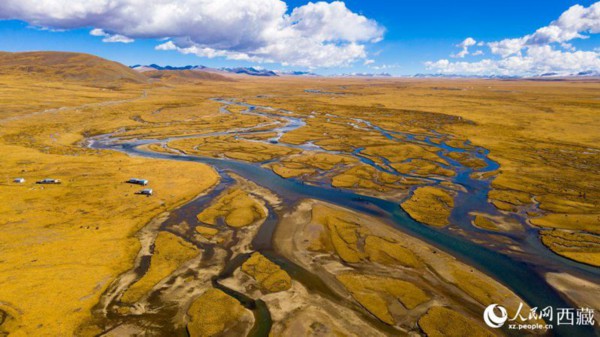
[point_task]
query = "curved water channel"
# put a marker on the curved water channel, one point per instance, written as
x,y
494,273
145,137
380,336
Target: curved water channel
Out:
x,y
520,270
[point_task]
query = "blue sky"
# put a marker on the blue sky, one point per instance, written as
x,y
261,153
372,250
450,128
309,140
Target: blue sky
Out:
x,y
414,32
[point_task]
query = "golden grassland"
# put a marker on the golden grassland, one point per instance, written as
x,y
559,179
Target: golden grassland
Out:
x,y
310,163
443,322
423,168
377,294
484,222
62,245
388,252
270,277
170,252
578,246
366,177
467,160
54,94
214,312
236,207
345,233
84,227
430,205
207,232
543,134
398,153
232,148
68,67
394,277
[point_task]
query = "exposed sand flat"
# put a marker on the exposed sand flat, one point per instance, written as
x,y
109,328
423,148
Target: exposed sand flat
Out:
x,y
584,294
381,254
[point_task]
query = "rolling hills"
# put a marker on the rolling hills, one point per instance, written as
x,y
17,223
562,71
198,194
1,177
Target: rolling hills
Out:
x,y
73,67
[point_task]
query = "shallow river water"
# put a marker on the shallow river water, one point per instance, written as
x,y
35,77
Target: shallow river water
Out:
x,y
523,272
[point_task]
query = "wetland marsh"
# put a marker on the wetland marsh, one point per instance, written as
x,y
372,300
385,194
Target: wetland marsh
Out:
x,y
307,207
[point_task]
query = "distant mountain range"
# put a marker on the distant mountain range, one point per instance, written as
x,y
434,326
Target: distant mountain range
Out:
x,y
365,75
251,71
463,76
85,68
140,67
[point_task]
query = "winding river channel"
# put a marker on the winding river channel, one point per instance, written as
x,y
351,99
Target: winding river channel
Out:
x,y
522,270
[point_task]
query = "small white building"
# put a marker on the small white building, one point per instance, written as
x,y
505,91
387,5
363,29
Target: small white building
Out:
x,y
146,191
48,181
19,180
138,181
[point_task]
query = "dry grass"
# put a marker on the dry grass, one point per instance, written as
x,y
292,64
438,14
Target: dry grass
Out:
x,y
367,177
467,160
207,232
485,223
236,207
62,245
398,153
583,222
423,168
377,293
543,134
68,67
582,247
444,322
309,163
391,274
213,313
170,252
83,227
430,205
230,147
389,252
270,277
341,233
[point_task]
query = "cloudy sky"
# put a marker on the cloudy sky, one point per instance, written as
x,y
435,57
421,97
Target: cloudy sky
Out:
x,y
400,37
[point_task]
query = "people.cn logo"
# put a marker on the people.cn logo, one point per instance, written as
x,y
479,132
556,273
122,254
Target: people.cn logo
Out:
x,y
492,319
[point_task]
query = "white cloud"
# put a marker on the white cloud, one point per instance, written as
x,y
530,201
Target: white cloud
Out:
x,y
367,62
317,34
574,23
507,47
546,50
468,42
110,38
536,60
